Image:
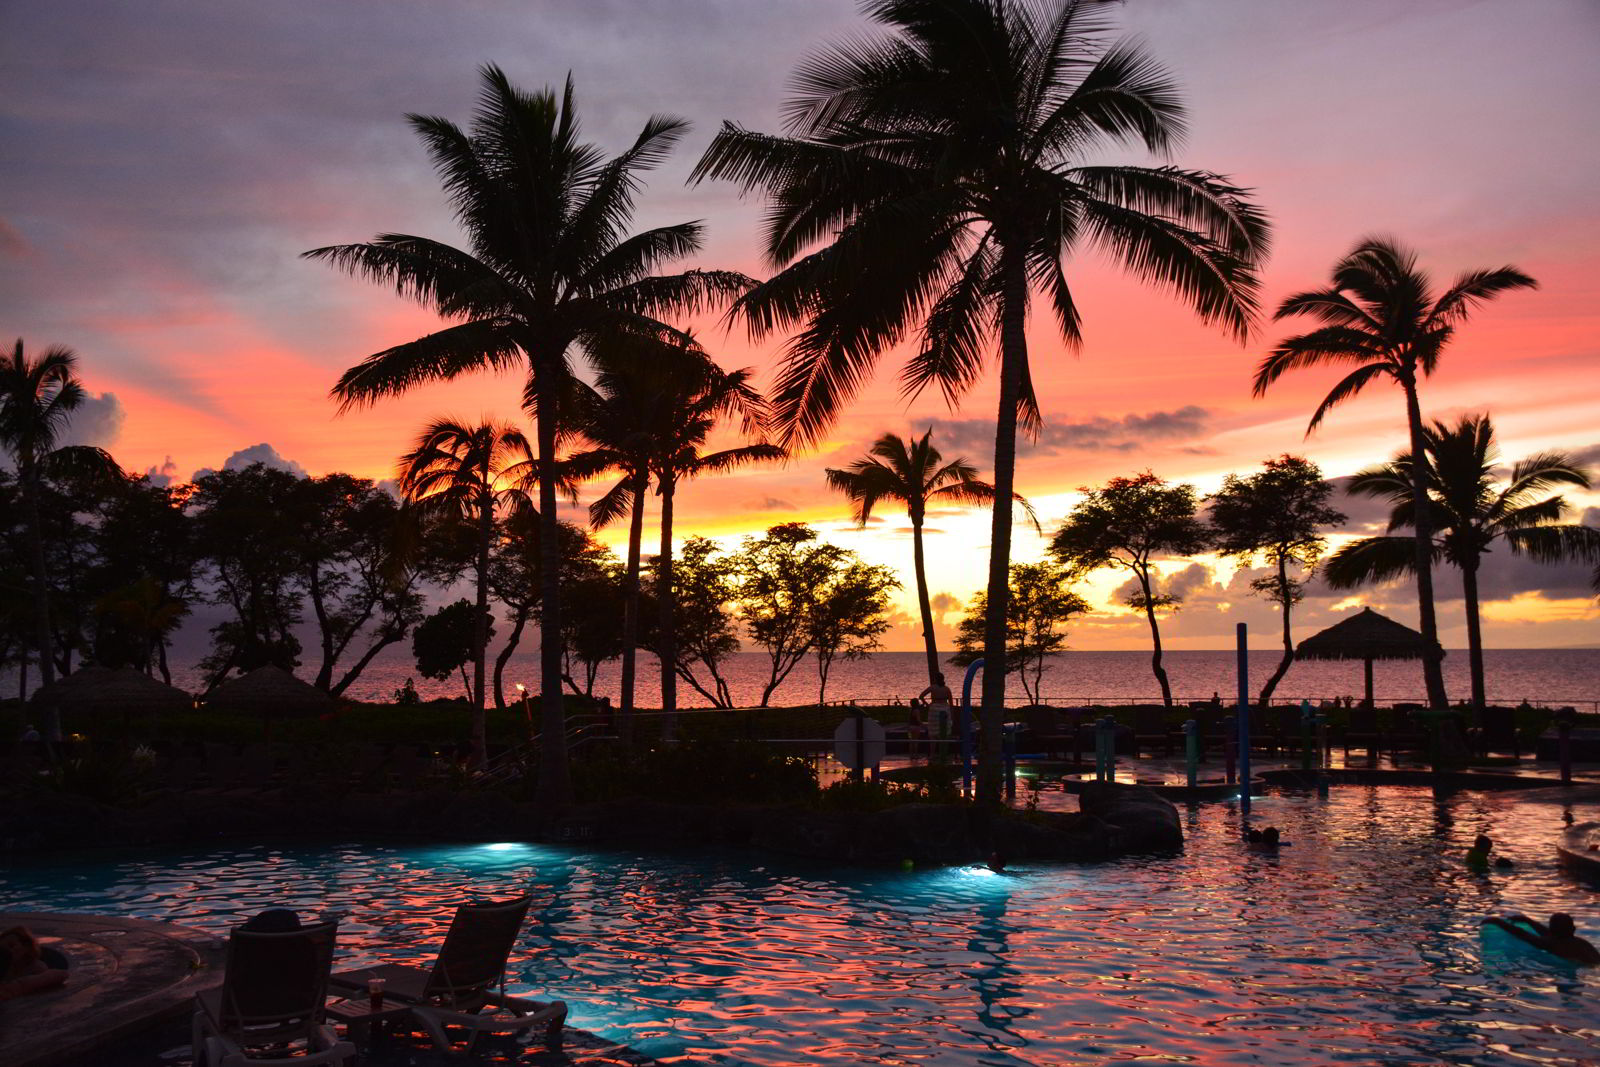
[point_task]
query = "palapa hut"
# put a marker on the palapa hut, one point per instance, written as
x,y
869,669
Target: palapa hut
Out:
x,y
60,691
1365,636
99,692
272,693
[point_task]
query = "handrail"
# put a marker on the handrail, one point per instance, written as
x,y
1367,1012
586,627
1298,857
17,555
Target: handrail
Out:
x,y
1106,701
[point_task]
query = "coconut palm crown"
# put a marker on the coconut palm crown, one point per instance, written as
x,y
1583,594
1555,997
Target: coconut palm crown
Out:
x,y
931,181
548,267
1471,508
1380,315
913,473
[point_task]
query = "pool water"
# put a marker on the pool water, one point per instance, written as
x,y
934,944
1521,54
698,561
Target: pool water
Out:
x,y
1358,943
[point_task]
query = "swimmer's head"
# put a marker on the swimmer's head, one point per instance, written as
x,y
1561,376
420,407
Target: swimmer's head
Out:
x,y
1561,925
1269,836
1482,843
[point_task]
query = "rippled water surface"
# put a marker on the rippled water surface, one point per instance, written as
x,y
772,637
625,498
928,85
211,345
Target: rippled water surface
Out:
x,y
1360,943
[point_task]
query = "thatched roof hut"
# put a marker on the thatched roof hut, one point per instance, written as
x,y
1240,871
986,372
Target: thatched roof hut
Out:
x,y
1365,636
98,689
101,692
270,692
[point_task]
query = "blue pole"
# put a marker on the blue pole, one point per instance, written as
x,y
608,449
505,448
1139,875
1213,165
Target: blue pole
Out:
x,y
1191,751
966,726
1244,719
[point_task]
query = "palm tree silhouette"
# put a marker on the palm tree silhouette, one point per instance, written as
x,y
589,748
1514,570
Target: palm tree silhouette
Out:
x,y
467,473
912,474
1469,509
945,172
549,266
1380,314
623,418
37,399
687,413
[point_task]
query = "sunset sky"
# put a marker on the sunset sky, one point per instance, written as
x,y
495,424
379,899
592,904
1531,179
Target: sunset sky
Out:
x,y
166,163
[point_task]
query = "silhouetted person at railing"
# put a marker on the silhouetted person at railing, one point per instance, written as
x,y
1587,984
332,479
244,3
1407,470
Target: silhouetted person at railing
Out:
x,y
939,700
1559,938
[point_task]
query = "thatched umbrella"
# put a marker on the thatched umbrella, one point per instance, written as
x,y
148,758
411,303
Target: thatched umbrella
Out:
x,y
1365,636
96,690
270,692
62,690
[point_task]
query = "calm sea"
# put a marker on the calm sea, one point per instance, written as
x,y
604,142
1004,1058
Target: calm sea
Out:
x,y
1552,676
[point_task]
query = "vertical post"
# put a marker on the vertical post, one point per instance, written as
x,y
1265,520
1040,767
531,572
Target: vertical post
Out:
x,y
1230,748
1009,737
1191,751
1244,719
965,726
1106,739
859,758
1307,734
1564,719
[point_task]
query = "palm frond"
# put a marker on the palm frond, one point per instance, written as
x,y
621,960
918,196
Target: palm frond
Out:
x,y
1330,344
1473,289
1372,560
442,356
1218,284
1347,387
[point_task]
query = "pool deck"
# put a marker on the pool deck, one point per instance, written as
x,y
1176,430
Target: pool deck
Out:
x,y
125,975
129,976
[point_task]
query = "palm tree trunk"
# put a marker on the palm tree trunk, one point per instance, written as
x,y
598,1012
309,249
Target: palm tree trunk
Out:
x,y
1432,669
41,598
555,777
1155,639
922,597
1288,642
630,608
1469,585
667,642
1013,361
480,633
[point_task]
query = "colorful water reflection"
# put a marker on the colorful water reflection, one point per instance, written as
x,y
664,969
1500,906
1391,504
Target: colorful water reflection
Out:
x,y
1358,943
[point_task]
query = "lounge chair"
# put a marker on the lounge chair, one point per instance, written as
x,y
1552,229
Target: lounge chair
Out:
x,y
271,998
467,977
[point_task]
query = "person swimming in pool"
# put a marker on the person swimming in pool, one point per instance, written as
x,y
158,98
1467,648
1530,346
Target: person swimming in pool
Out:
x,y
1477,856
1559,937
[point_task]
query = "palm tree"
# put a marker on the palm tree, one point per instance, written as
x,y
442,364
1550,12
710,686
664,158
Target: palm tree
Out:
x,y
623,418
548,267
945,172
37,398
1469,508
1380,314
466,473
913,475
687,413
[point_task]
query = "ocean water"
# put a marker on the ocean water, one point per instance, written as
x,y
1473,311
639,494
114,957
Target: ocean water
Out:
x,y
1359,944
1549,676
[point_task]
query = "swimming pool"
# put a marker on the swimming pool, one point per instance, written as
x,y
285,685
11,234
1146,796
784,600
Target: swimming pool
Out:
x,y
1359,943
